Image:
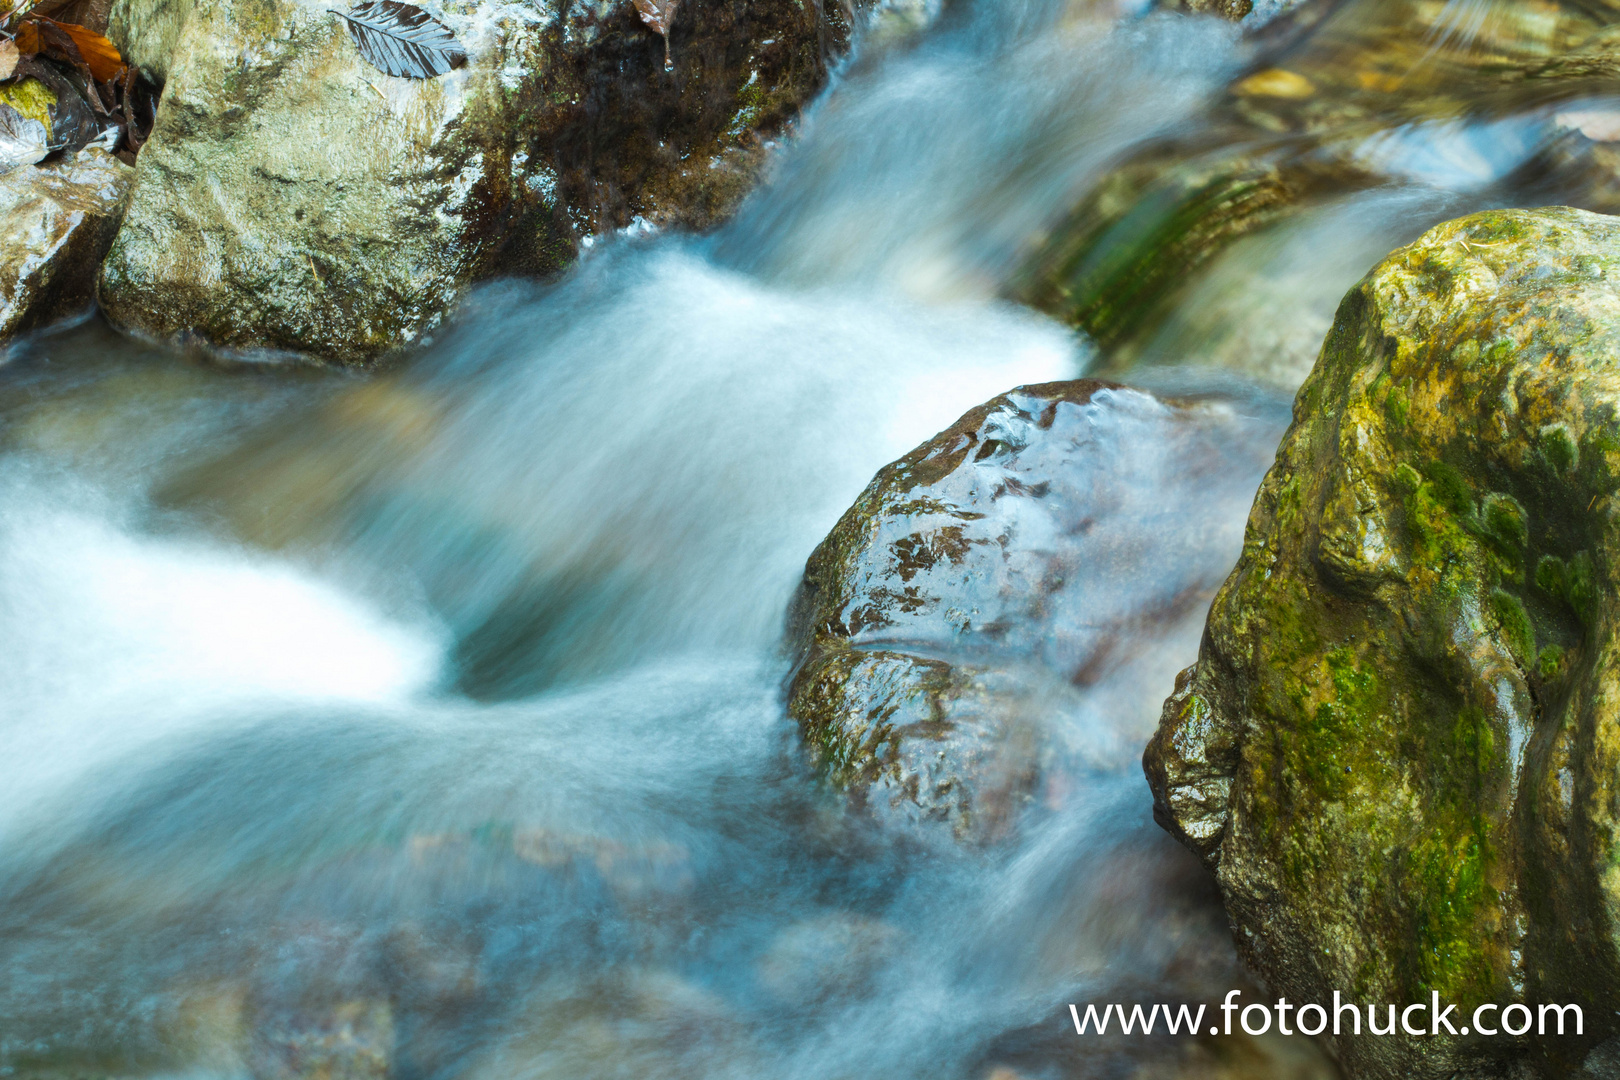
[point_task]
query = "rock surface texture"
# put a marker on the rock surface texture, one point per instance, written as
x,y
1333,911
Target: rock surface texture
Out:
x,y
56,221
1399,747
292,197
972,633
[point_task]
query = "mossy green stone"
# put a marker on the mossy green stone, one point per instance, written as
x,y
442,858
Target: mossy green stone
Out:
x,y
1399,749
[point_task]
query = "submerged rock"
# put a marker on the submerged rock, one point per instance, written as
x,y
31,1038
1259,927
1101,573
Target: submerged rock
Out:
x,y
292,197
1397,749
1342,105
56,222
969,632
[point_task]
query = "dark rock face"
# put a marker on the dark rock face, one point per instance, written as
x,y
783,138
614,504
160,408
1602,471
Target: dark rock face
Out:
x,y
971,632
294,198
1399,746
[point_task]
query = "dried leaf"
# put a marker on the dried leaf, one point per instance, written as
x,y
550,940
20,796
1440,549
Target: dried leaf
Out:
x,y
100,55
8,57
22,141
659,14
45,38
402,39
91,14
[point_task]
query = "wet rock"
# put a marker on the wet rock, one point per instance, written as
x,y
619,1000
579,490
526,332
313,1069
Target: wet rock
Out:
x,y
56,222
346,1040
294,198
627,1021
967,631
1341,103
1226,9
1397,749
832,956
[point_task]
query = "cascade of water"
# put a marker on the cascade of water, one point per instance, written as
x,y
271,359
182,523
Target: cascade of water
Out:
x,y
433,722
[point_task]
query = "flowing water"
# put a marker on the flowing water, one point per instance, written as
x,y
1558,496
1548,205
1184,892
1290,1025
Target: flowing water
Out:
x,y
432,724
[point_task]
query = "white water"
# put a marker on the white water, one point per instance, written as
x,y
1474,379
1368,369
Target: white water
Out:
x,y
440,716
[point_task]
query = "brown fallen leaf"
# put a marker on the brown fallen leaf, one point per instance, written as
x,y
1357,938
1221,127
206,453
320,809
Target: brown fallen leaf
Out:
x,y
659,14
8,57
92,14
26,38
100,55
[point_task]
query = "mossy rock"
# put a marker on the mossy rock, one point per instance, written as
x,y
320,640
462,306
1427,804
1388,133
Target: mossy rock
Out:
x,y
1398,749
31,98
972,632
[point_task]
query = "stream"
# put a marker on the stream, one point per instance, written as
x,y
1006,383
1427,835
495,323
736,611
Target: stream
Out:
x,y
431,724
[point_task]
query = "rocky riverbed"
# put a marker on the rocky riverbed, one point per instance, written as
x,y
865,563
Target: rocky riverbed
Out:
x,y
651,539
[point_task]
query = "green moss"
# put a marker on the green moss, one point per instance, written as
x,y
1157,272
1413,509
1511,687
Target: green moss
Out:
x,y
1397,404
32,98
1502,519
1550,576
1335,735
1571,582
1439,515
1449,891
1559,448
1580,589
1452,489
1517,632
1550,662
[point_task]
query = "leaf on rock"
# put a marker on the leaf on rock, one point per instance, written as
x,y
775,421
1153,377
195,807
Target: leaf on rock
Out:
x,y
91,14
27,39
23,141
8,57
659,14
402,39
100,55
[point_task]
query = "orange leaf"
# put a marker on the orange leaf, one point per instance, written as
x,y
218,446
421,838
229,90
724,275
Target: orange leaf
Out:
x,y
100,55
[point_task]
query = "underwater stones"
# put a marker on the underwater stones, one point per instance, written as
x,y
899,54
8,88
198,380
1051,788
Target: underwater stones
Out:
x,y
968,633
1399,747
56,221
1341,105
293,198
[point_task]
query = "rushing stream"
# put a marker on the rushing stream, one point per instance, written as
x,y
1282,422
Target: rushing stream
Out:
x,y
432,723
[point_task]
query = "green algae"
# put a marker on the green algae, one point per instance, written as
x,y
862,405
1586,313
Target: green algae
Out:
x,y
1397,702
1515,626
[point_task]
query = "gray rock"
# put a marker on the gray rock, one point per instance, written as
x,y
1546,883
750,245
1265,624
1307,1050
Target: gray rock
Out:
x,y
294,198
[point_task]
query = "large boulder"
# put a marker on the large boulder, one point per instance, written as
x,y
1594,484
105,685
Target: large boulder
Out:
x,y
973,634
1399,749
56,221
293,197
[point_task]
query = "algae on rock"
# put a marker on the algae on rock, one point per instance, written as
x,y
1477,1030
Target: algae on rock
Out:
x,y
293,198
1398,749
